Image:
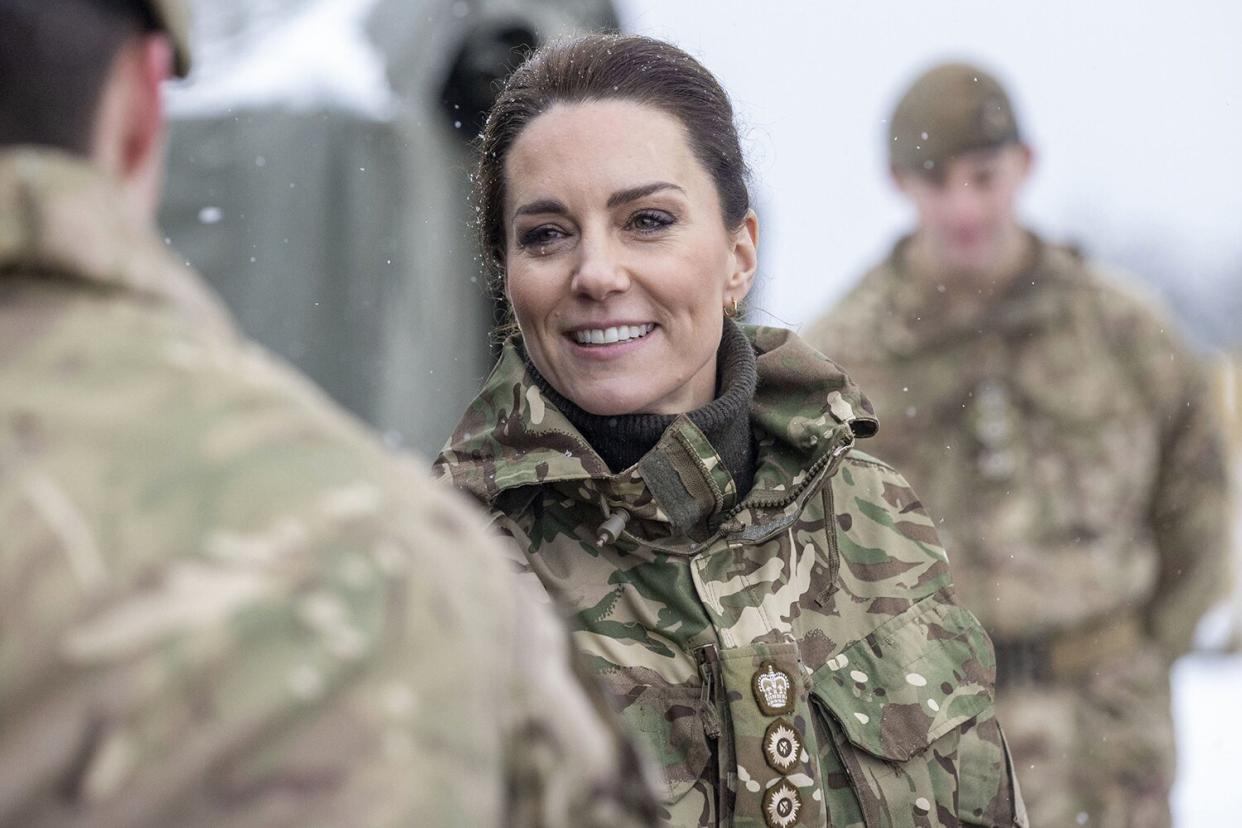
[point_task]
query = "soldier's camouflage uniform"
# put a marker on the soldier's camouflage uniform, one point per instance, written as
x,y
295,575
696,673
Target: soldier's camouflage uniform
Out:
x,y
1062,435
222,603
795,659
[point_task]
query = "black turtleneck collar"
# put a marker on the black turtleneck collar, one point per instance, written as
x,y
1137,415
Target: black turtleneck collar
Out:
x,y
621,441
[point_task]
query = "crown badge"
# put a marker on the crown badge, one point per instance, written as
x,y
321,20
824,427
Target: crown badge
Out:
x,y
773,690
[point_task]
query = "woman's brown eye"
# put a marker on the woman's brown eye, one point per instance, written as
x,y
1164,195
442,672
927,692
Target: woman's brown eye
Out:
x,y
539,237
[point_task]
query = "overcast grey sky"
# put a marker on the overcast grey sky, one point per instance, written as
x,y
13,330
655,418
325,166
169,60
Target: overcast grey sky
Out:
x,y
1135,110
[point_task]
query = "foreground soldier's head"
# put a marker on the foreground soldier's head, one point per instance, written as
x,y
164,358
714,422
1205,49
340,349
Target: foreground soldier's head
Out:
x,y
84,76
957,153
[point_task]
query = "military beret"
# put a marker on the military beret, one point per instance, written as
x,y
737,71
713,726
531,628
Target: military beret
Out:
x,y
951,109
173,17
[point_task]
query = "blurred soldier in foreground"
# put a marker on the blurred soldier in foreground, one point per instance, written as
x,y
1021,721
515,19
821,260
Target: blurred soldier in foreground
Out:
x,y
222,603
1062,433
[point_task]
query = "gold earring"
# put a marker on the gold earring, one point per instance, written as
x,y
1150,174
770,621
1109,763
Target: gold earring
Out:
x,y
731,311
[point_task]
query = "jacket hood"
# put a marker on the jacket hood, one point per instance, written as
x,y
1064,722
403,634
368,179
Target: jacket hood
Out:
x,y
804,409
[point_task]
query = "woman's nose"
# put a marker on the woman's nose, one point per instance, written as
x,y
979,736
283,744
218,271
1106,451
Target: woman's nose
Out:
x,y
599,270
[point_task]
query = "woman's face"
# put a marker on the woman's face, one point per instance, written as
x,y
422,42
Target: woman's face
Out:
x,y
617,261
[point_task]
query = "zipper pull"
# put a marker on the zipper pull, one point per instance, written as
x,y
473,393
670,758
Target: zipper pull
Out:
x,y
612,528
708,661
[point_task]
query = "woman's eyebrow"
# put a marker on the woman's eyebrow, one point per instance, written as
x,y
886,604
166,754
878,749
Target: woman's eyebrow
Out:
x,y
623,196
546,205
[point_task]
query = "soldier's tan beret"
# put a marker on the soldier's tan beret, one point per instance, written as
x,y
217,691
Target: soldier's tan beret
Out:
x,y
173,16
951,109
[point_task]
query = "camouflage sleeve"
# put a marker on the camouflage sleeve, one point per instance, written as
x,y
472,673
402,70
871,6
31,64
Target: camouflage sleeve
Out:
x,y
298,670
547,745
1189,515
1189,501
570,762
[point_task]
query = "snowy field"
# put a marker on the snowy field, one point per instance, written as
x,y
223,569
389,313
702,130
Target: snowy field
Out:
x,y
1207,704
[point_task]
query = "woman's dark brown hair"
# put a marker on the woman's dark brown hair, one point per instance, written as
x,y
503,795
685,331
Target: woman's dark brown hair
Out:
x,y
599,67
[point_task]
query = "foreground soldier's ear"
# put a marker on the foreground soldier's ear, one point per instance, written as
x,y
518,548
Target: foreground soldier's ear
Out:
x,y
152,65
129,129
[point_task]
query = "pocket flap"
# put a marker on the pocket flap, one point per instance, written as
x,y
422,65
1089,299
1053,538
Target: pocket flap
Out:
x,y
913,679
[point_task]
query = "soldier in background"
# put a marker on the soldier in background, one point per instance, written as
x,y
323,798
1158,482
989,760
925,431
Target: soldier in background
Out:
x,y
223,603
1062,433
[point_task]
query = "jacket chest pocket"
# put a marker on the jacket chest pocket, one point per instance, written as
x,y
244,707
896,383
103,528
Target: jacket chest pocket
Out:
x,y
904,720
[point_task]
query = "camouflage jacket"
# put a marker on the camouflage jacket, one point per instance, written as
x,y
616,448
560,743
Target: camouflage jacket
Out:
x,y
796,658
223,603
1062,432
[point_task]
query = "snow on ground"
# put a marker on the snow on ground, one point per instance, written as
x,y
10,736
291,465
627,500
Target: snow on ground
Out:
x,y
319,58
1207,705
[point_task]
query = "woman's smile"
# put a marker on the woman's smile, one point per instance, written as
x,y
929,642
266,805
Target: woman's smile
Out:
x,y
611,334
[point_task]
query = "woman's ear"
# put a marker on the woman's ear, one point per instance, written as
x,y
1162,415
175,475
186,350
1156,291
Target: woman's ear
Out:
x,y
745,254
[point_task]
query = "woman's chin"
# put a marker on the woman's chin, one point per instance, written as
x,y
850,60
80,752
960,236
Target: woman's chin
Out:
x,y
609,406
616,402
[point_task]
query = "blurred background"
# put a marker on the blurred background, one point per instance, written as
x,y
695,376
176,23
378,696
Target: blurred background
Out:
x,y
321,156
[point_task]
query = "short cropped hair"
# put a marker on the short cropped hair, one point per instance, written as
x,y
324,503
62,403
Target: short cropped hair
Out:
x,y
55,56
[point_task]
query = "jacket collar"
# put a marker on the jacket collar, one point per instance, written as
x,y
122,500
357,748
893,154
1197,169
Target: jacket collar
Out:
x,y
804,411
60,218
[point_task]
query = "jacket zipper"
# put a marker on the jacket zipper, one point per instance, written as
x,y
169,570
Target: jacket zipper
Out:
x,y
715,722
816,473
829,460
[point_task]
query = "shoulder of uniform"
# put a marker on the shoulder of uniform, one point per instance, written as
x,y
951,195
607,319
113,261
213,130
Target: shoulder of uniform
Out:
x,y
1125,305
848,320
1131,311
866,473
248,443
877,509
1109,283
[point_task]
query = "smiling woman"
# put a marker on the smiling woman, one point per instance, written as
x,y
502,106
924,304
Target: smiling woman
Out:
x,y
618,262
770,608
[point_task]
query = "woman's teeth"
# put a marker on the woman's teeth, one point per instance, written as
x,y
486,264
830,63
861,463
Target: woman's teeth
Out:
x,y
607,336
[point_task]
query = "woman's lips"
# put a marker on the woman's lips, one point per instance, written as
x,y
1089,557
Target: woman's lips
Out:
x,y
611,334
609,342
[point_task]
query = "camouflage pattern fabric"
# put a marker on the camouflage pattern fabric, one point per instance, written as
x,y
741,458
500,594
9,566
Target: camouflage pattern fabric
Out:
x,y
223,603
797,658
1063,435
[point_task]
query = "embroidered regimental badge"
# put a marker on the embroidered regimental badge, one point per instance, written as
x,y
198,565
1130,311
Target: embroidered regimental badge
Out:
x,y
774,690
782,746
781,805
